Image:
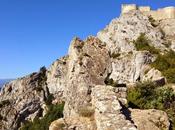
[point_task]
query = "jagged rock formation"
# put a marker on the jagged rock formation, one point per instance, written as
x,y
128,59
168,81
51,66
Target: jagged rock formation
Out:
x,y
121,32
92,80
119,36
56,78
23,99
88,65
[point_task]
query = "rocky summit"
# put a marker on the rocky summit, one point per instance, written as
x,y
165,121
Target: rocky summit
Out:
x,y
121,79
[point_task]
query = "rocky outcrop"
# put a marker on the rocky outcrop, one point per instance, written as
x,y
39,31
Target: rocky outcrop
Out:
x,y
92,80
167,26
88,65
56,78
22,100
150,119
130,67
121,32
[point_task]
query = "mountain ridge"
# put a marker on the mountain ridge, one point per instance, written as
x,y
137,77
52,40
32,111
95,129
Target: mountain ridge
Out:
x,y
115,81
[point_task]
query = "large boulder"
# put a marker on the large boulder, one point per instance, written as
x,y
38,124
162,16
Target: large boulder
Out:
x,y
108,110
150,119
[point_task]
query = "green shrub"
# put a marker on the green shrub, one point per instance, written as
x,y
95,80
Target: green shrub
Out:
x,y
166,64
141,95
55,112
150,96
161,63
170,75
143,43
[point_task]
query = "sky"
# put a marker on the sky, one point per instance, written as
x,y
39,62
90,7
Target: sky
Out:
x,y
34,33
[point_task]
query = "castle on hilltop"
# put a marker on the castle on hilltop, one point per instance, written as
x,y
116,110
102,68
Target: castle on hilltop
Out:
x,y
160,14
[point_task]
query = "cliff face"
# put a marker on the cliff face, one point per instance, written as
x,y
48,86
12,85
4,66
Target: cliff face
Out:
x,y
93,80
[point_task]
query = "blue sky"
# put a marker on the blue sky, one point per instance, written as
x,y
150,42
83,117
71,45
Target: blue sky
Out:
x,y
34,33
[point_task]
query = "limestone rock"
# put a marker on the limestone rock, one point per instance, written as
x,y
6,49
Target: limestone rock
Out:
x,y
57,125
129,65
88,65
22,100
130,68
108,114
168,28
79,80
121,32
150,119
154,75
56,78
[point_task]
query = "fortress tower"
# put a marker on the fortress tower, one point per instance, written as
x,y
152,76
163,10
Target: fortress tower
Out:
x,y
128,7
160,14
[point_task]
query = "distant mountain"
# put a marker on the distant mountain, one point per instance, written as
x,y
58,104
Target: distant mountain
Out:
x,y
4,81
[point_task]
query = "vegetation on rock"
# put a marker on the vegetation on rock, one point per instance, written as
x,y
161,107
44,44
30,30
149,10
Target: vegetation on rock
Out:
x,y
149,95
54,112
143,43
166,64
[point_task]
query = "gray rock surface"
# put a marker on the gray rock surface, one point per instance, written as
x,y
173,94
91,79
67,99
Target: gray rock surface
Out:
x,y
121,32
56,78
108,111
22,99
88,65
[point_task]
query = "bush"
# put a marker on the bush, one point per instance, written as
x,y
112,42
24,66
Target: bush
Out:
x,y
170,75
55,112
166,64
161,63
141,95
142,43
150,96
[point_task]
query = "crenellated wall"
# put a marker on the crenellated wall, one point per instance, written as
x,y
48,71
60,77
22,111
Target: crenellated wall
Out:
x,y
164,13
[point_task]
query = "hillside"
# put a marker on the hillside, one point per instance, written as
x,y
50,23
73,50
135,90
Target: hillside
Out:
x,y
121,79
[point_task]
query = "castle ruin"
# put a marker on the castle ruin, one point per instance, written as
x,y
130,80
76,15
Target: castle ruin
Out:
x,y
160,14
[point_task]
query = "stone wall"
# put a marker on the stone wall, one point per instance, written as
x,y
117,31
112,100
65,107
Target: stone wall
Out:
x,y
164,13
127,8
